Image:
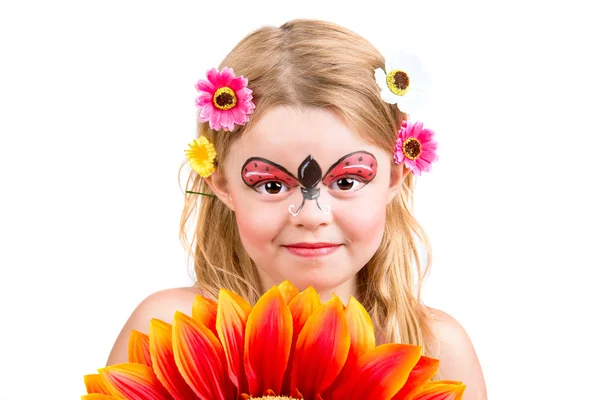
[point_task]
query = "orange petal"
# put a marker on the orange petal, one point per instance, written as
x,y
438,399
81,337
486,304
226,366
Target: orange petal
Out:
x,y
97,396
95,384
133,381
163,360
420,374
441,390
288,291
321,350
267,343
200,359
232,315
362,339
138,350
205,311
380,373
302,306
362,333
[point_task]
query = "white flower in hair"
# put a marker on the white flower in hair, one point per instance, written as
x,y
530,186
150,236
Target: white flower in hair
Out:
x,y
404,82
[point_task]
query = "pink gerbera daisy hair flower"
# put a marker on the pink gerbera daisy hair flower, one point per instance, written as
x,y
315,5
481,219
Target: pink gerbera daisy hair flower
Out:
x,y
224,99
415,147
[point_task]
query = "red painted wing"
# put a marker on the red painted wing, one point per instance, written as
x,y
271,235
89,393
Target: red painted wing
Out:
x,y
257,170
360,163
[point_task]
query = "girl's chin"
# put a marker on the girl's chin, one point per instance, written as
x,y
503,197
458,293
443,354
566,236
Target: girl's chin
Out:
x,y
325,285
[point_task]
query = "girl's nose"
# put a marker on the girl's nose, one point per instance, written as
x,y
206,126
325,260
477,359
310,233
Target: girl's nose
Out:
x,y
314,213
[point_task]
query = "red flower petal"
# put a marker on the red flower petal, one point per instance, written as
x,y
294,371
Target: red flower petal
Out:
x,y
321,350
95,384
138,348
441,390
362,340
163,360
302,306
200,359
133,381
380,373
420,374
362,335
205,311
288,291
232,314
268,340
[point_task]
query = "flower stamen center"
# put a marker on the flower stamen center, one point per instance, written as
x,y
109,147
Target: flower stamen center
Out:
x,y
411,148
398,82
224,98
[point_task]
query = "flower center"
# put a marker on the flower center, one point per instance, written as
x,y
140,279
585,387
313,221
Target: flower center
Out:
x,y
411,148
202,153
398,82
224,98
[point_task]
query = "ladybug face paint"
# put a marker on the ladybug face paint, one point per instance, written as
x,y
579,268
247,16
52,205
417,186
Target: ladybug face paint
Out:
x,y
359,165
309,174
258,170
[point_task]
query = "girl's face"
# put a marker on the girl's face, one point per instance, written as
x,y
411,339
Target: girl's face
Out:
x,y
343,186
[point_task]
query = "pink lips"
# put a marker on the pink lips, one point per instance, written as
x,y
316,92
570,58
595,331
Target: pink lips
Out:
x,y
312,249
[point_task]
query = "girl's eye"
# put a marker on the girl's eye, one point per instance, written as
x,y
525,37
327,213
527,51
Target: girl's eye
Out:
x,y
272,187
347,184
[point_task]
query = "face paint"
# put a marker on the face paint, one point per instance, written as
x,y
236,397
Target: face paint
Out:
x,y
309,173
259,170
359,165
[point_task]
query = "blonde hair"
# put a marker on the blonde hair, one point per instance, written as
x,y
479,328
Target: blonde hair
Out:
x,y
315,64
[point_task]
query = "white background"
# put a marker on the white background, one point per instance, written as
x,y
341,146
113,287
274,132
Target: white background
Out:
x,y
96,108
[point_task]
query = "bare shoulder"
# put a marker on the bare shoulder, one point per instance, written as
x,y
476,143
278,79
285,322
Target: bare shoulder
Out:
x,y
458,359
159,305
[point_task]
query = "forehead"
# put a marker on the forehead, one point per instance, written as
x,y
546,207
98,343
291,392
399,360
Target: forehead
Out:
x,y
287,135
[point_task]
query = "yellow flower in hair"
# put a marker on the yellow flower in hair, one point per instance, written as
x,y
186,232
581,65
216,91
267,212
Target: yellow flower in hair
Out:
x,y
201,156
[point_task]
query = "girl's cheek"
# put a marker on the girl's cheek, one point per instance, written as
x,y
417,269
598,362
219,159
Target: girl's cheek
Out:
x,y
258,223
362,220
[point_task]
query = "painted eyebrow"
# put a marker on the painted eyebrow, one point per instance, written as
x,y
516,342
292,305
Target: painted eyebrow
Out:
x,y
258,169
360,163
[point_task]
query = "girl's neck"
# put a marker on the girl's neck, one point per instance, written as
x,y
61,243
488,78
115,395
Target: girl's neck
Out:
x,y
343,291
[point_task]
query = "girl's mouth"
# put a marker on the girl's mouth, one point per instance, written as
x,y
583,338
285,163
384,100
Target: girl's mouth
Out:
x,y
312,249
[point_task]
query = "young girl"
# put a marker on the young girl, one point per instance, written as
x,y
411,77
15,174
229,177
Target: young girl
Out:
x,y
307,152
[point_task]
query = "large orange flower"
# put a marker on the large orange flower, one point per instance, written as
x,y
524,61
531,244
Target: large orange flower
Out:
x,y
288,346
